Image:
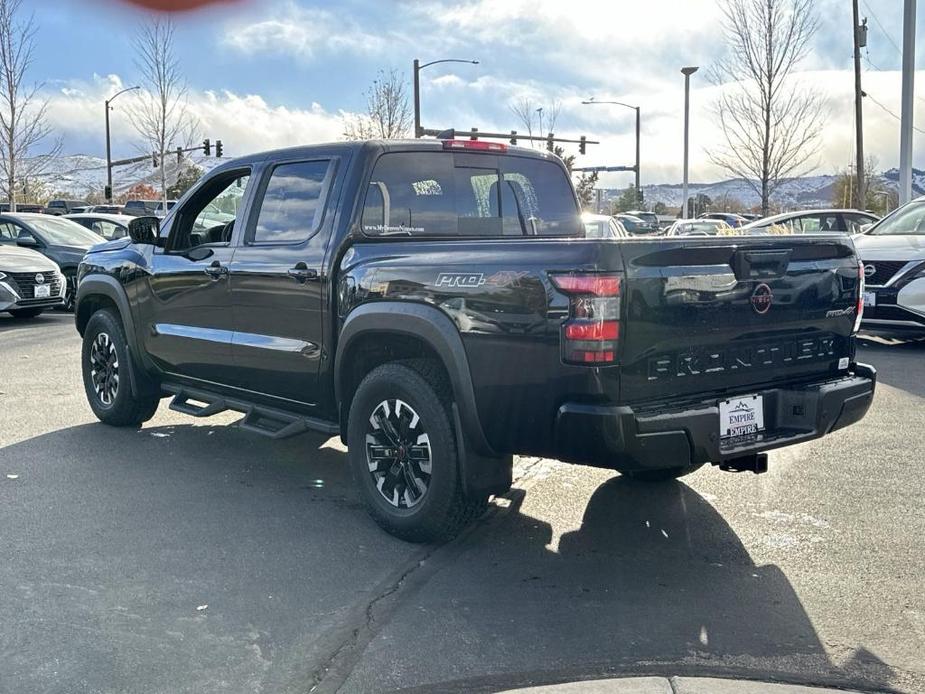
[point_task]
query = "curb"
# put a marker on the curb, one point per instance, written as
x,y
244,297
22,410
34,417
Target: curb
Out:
x,y
673,685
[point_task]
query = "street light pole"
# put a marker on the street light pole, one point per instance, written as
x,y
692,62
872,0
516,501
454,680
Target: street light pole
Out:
x,y
908,86
637,110
417,97
109,146
638,189
416,68
687,72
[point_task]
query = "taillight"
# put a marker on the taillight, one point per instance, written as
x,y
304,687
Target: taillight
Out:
x,y
592,331
860,304
480,145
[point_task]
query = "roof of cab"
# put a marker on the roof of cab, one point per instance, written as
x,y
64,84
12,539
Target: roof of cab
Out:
x,y
351,147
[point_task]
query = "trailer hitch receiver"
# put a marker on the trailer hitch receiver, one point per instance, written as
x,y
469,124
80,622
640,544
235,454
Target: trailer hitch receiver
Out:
x,y
756,463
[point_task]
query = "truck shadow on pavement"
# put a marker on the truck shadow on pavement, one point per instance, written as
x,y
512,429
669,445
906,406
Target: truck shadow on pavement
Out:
x,y
113,541
177,558
654,581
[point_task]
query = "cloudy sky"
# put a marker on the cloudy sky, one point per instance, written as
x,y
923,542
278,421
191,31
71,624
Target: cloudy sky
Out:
x,y
272,73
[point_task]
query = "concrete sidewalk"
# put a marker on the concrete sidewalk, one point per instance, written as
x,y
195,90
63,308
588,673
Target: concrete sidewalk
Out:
x,y
673,685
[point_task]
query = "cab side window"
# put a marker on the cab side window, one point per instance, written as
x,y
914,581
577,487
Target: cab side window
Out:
x,y
210,216
292,207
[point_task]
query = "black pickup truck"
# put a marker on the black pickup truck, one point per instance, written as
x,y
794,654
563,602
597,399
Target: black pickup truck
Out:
x,y
436,305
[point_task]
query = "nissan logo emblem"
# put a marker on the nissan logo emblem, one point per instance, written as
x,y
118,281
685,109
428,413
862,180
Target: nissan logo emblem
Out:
x,y
40,278
870,270
761,298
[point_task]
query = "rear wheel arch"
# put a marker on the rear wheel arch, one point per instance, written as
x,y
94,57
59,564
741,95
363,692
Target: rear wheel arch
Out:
x,y
377,333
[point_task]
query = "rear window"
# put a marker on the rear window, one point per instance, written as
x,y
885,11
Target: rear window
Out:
x,y
450,194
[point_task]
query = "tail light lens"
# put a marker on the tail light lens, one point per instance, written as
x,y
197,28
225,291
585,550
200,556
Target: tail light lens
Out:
x,y
592,332
861,285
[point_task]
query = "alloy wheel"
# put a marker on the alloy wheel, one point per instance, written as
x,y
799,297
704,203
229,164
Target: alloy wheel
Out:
x,y
398,453
104,368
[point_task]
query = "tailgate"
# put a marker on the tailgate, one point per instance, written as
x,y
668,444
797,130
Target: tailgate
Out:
x,y
725,314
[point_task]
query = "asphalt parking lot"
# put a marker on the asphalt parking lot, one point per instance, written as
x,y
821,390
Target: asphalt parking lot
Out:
x,y
190,556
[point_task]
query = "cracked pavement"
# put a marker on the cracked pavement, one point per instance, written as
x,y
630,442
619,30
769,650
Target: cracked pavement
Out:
x,y
190,556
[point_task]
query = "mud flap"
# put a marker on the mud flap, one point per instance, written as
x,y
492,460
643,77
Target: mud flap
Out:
x,y
480,475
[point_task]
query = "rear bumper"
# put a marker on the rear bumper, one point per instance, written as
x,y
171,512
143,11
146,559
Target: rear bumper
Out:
x,y
622,438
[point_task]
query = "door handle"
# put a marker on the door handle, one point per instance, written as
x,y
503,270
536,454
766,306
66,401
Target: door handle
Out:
x,y
216,270
302,273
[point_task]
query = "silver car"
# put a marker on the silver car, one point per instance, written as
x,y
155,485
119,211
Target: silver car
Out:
x,y
29,282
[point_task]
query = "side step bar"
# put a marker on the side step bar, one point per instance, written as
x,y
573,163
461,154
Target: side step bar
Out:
x,y
259,419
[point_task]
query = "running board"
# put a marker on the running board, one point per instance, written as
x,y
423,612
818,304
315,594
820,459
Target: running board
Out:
x,y
259,419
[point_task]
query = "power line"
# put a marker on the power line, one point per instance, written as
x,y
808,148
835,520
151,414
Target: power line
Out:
x,y
880,69
890,112
883,31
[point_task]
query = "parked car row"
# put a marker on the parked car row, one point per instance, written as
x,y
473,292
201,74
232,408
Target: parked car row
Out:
x,y
891,249
61,240
62,208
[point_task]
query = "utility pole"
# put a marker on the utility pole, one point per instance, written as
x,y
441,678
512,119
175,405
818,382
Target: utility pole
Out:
x,y
905,126
860,40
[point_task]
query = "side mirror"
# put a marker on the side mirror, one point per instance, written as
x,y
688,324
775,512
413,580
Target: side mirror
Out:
x,y
27,241
145,230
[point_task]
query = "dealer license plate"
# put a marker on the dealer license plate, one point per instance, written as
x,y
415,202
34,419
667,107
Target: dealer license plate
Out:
x,y
870,298
740,417
42,291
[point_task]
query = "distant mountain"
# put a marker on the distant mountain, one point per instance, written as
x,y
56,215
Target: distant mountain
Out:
x,y
81,174
918,180
806,192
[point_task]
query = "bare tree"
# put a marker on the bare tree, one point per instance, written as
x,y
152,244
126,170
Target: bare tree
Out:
x,y
160,115
536,117
23,124
388,112
770,125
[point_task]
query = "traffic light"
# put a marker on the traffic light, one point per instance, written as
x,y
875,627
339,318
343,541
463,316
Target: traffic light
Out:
x,y
179,155
581,145
513,137
107,193
207,147
549,143
218,149
154,160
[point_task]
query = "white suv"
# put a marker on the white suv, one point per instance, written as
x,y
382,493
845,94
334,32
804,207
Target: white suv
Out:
x,y
893,253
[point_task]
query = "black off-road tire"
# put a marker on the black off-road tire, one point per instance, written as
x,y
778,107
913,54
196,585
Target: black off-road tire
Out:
x,y
662,475
24,313
121,408
442,510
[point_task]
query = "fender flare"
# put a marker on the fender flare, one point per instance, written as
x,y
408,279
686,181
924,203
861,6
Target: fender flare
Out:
x,y
110,288
434,327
